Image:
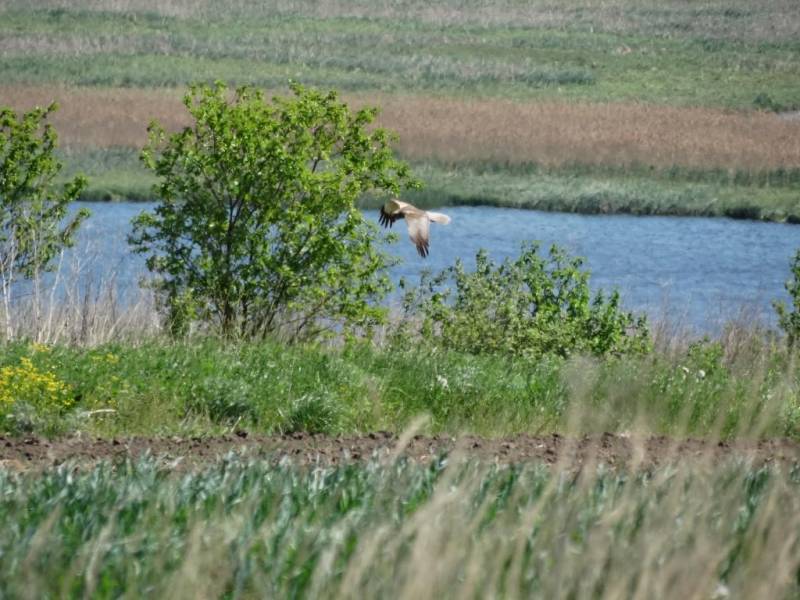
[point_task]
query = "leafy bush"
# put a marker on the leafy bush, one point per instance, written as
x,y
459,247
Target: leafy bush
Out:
x,y
530,306
257,231
789,320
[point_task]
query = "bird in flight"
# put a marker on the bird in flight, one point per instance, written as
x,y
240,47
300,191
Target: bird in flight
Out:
x,y
417,220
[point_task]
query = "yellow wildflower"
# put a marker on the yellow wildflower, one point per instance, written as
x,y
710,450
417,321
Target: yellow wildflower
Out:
x,y
26,383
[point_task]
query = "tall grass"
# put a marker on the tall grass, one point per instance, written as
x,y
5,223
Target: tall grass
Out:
x,y
79,305
557,135
402,530
722,389
581,190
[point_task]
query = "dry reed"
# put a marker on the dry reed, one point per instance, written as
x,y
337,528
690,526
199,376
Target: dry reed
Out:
x,y
486,131
80,304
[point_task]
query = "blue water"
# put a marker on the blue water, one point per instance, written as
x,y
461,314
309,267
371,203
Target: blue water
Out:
x,y
698,271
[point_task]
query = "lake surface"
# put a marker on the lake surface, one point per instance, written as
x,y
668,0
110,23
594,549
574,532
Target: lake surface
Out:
x,y
698,271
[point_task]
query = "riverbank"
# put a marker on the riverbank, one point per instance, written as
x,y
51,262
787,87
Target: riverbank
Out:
x,y
116,175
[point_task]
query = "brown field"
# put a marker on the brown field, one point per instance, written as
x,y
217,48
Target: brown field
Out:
x,y
492,131
554,134
573,452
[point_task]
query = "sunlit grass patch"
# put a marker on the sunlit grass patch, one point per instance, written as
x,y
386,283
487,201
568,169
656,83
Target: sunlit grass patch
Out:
x,y
207,386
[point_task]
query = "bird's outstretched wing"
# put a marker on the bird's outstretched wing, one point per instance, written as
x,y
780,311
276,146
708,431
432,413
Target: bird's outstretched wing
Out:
x,y
417,220
419,231
391,211
438,217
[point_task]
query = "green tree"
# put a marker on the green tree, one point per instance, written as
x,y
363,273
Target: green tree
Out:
x,y
789,320
34,227
257,230
526,307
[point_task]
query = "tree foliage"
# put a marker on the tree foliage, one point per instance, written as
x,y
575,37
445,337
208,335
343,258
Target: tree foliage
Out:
x,y
34,226
256,229
528,307
789,319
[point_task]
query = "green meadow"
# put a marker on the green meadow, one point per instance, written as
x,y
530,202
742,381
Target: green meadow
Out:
x,y
743,388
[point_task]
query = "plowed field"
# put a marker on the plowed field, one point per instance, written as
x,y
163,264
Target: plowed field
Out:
x,y
23,454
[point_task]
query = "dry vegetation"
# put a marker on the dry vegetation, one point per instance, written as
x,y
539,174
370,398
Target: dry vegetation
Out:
x,y
102,118
557,133
472,131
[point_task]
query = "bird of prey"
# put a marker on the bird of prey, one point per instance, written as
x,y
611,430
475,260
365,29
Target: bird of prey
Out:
x,y
417,220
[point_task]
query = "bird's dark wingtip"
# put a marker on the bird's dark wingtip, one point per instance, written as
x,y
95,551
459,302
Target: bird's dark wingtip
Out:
x,y
385,219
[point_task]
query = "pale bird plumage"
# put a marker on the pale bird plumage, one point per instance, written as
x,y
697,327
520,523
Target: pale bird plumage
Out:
x,y
417,220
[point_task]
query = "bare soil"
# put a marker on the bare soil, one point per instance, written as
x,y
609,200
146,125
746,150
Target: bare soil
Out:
x,y
22,454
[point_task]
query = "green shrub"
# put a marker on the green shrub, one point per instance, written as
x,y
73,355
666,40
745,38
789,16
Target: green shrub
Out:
x,y
256,231
789,320
529,306
764,101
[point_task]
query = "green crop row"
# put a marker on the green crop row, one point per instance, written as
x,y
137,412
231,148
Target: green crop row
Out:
x,y
243,528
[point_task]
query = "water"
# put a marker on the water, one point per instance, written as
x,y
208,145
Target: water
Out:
x,y
697,270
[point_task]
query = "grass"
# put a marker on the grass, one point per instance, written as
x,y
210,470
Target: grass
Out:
x,y
116,174
393,51
712,20
244,528
740,388
606,193
569,157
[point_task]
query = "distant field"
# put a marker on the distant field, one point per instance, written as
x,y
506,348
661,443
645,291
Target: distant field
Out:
x,y
478,131
715,19
679,101
743,56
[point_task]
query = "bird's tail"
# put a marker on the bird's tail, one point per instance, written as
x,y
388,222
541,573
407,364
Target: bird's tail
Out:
x,y
438,217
